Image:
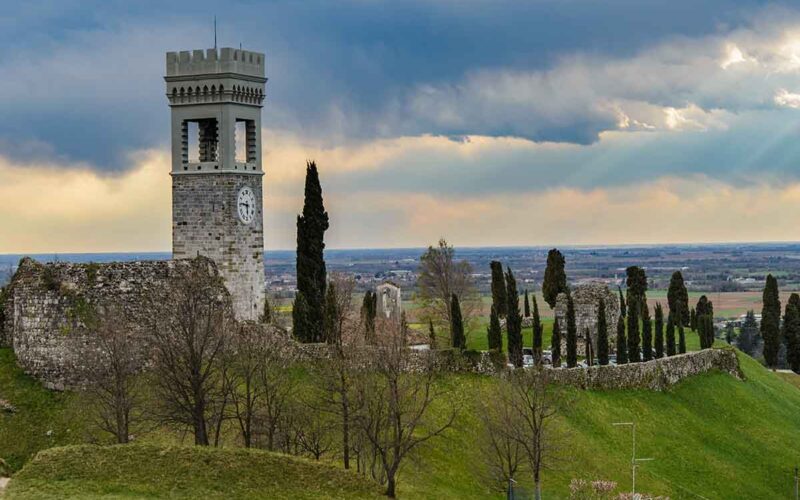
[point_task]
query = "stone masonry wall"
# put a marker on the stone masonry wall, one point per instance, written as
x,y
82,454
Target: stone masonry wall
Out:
x,y
49,305
586,298
656,375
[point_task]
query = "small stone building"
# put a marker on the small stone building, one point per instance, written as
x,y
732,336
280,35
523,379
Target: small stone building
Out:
x,y
390,303
586,298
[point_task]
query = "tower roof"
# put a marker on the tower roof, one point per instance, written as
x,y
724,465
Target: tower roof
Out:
x,y
215,61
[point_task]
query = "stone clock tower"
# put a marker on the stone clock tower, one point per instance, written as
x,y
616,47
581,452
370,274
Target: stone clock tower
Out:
x,y
216,98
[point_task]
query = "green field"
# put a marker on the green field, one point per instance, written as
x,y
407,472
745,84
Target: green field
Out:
x,y
711,435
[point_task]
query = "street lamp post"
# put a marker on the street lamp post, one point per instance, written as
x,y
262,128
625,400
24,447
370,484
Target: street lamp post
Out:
x,y
634,460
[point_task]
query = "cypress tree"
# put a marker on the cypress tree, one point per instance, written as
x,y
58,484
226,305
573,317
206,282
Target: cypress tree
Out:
x,y
513,321
749,338
636,282
589,348
622,345
678,297
266,314
555,344
555,278
693,320
432,334
602,334
499,297
459,340
494,332
538,331
659,337
634,341
704,317
622,307
670,335
300,314
572,334
681,338
369,309
770,321
791,332
331,323
647,335
729,333
311,273
527,305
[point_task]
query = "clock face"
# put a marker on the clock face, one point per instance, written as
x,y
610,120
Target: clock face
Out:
x,y
246,205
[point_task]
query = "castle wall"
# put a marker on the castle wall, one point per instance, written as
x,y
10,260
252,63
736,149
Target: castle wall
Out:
x,y
49,306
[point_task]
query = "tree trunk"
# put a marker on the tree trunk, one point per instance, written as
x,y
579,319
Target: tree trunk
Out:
x,y
390,487
538,492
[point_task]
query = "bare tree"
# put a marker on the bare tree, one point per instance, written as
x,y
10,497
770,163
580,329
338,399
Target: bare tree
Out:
x,y
335,374
529,406
190,321
441,276
313,430
244,361
276,386
504,456
394,395
112,374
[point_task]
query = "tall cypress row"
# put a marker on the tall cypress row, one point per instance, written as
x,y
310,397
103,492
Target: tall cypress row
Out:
x,y
555,277
693,320
513,321
659,337
678,297
527,305
331,325
682,337
538,331
555,344
459,340
311,273
622,344
369,310
670,335
602,334
791,332
572,334
622,307
647,335
770,321
634,341
494,332
499,298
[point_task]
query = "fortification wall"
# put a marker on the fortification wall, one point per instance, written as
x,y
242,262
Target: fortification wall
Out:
x,y
655,375
49,306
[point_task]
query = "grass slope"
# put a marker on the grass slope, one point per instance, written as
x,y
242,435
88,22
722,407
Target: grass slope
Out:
x,y
147,471
712,434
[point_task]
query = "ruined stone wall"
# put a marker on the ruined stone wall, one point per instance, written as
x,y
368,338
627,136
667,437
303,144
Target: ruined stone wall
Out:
x,y
586,298
49,306
655,375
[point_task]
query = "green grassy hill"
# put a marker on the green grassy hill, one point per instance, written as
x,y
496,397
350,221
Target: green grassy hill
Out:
x,y
711,435
142,471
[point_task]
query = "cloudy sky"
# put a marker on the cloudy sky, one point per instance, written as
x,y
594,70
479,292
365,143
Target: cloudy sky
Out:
x,y
490,123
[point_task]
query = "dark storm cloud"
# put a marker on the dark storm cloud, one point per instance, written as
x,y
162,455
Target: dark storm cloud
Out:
x,y
81,80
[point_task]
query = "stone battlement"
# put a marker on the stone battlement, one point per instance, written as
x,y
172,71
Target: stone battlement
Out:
x,y
215,61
